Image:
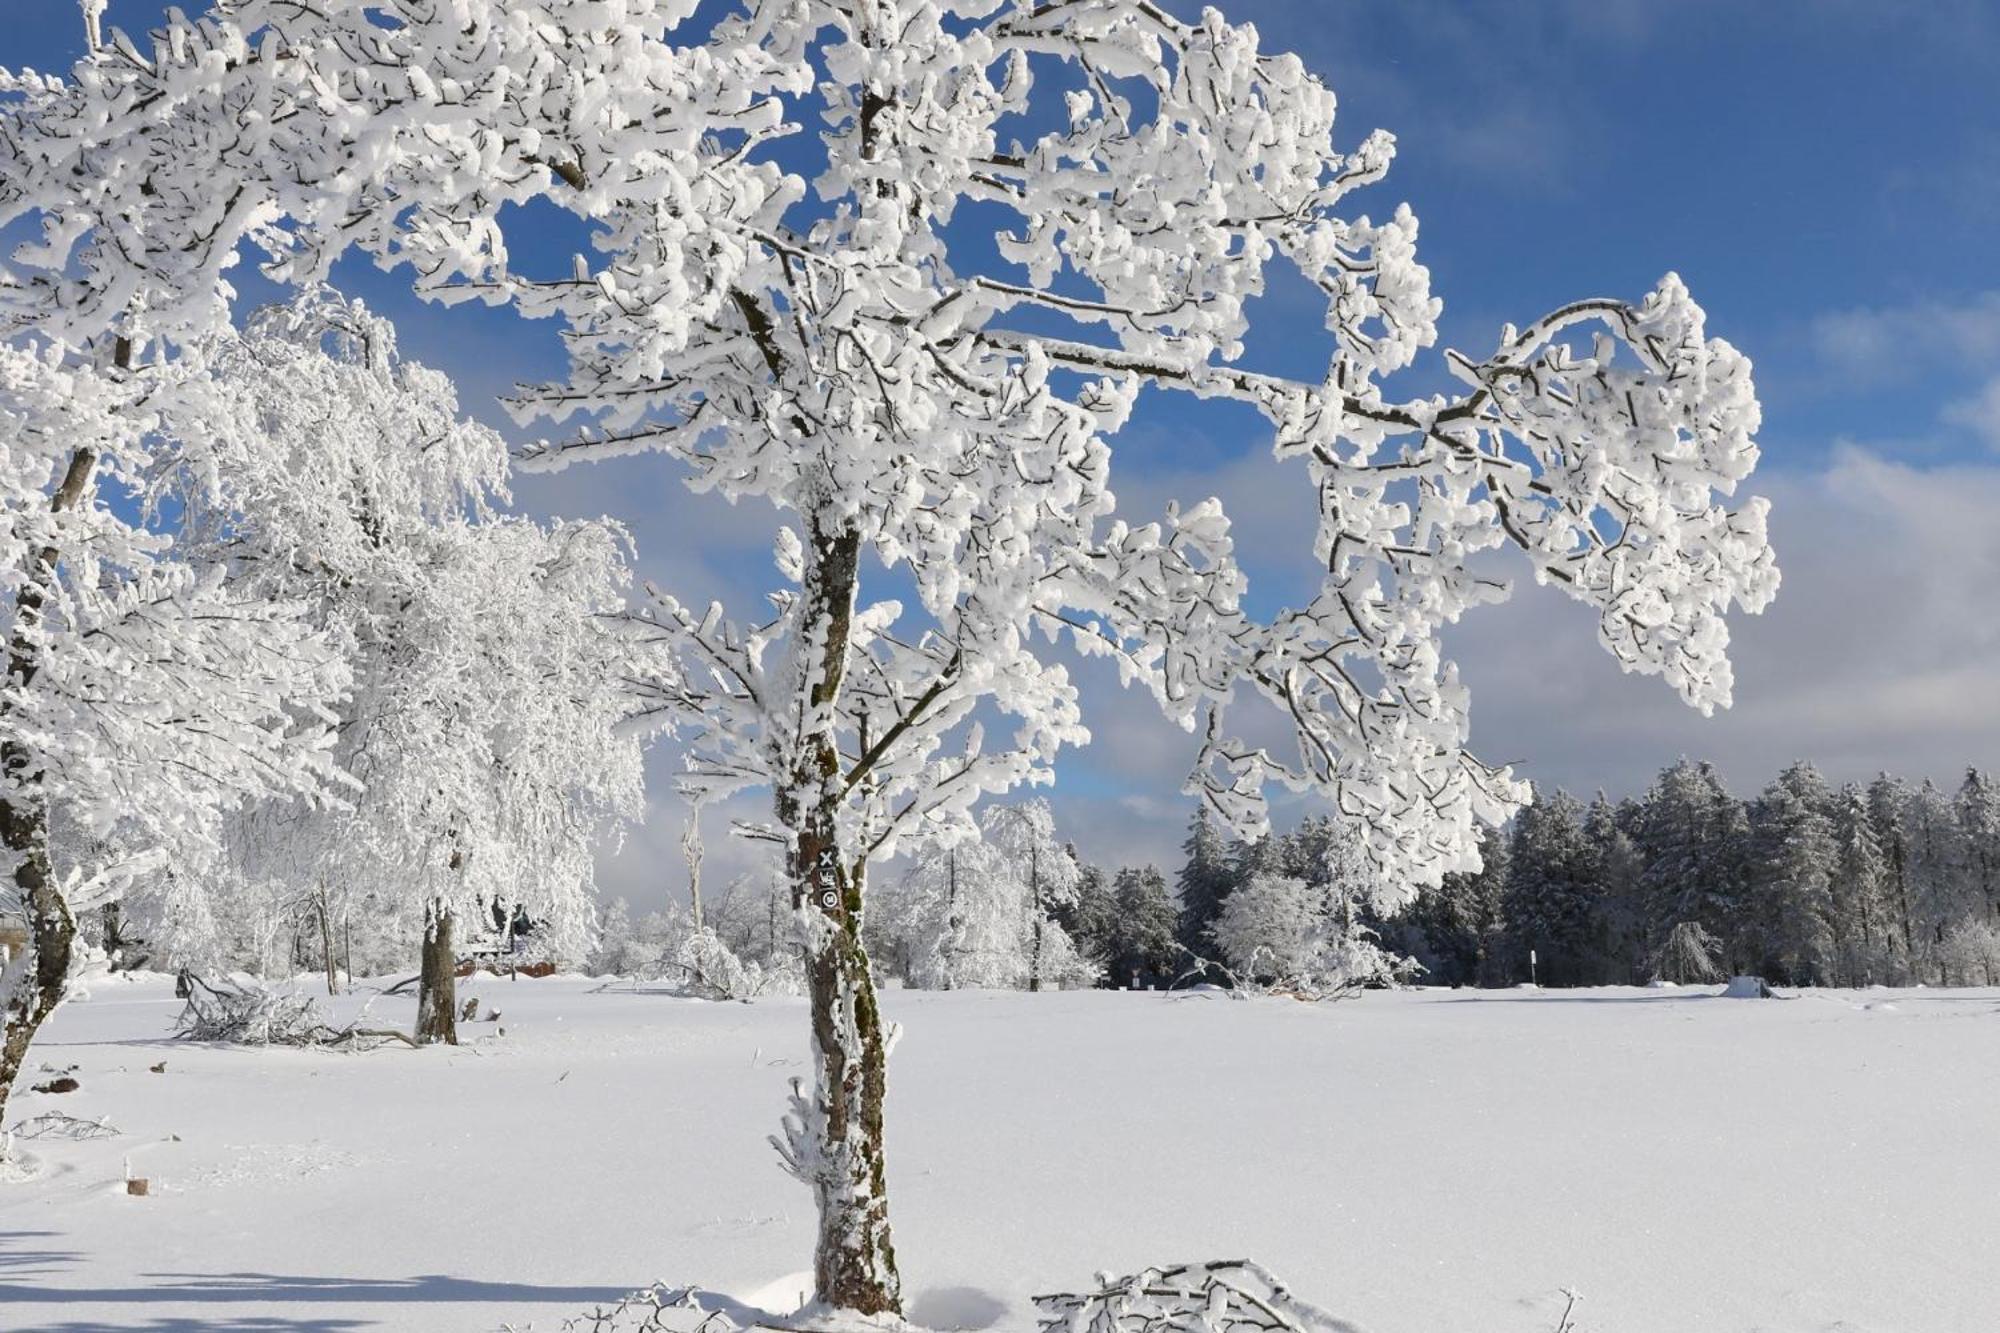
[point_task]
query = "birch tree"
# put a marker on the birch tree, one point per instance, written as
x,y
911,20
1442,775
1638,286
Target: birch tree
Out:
x,y
936,400
147,691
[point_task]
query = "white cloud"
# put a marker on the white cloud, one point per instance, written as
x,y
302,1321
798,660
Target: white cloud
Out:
x,y
1979,414
1873,346
1882,650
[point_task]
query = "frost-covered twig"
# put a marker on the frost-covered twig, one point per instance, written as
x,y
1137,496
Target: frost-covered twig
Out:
x,y
656,1309
57,1125
1220,1296
253,1016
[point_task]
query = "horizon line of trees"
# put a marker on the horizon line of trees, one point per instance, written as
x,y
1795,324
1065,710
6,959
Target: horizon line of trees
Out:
x,y
1806,883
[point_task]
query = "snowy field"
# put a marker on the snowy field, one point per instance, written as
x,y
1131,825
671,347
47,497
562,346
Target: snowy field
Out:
x,y
1419,1162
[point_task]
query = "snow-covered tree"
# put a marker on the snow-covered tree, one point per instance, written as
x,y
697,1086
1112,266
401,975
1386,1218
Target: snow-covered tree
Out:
x,y
1024,835
1091,922
1455,928
1552,900
1206,877
1617,870
1933,873
1979,837
940,407
1795,861
986,911
486,724
614,952
1888,802
1145,948
1694,837
1865,940
1969,954
1688,955
148,691
1270,929
1309,936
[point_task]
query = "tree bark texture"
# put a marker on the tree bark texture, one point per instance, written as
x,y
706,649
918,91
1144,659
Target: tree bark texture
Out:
x,y
854,1261
437,981
35,985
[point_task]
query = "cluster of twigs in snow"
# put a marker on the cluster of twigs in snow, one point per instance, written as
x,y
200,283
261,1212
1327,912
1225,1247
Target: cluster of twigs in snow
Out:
x,y
56,1125
1221,1296
657,1309
254,1016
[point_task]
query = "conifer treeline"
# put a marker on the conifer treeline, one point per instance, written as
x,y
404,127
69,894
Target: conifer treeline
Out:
x,y
1805,884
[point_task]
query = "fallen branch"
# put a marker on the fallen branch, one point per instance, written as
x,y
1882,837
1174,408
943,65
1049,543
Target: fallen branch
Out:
x,y
56,1125
253,1016
1221,1296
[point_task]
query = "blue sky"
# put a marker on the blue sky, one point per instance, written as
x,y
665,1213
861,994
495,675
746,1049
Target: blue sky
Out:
x,y
1825,176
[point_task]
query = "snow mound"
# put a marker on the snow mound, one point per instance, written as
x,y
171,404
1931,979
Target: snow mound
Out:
x,y
1748,988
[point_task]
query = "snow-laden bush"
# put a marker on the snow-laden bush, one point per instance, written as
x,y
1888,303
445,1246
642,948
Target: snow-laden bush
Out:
x,y
668,950
707,968
1282,934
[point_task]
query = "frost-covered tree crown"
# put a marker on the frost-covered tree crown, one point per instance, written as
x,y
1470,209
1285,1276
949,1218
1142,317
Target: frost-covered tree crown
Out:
x,y
903,268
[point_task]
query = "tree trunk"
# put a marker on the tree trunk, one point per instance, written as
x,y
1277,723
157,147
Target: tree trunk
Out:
x,y
33,988
1035,916
836,1140
34,985
437,983
691,848
951,919
326,942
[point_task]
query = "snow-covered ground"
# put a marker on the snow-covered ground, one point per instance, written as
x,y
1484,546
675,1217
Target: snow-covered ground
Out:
x,y
1423,1162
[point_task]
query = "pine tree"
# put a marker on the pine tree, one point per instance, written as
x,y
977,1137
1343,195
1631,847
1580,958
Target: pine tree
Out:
x,y
1144,944
1091,921
1619,932
1935,874
1793,875
1551,896
1979,841
1206,878
1453,929
1693,836
1864,937
1888,800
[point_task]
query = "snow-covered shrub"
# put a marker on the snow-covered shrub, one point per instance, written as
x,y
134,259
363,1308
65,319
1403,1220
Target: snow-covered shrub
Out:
x,y
1223,1296
1283,934
707,968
